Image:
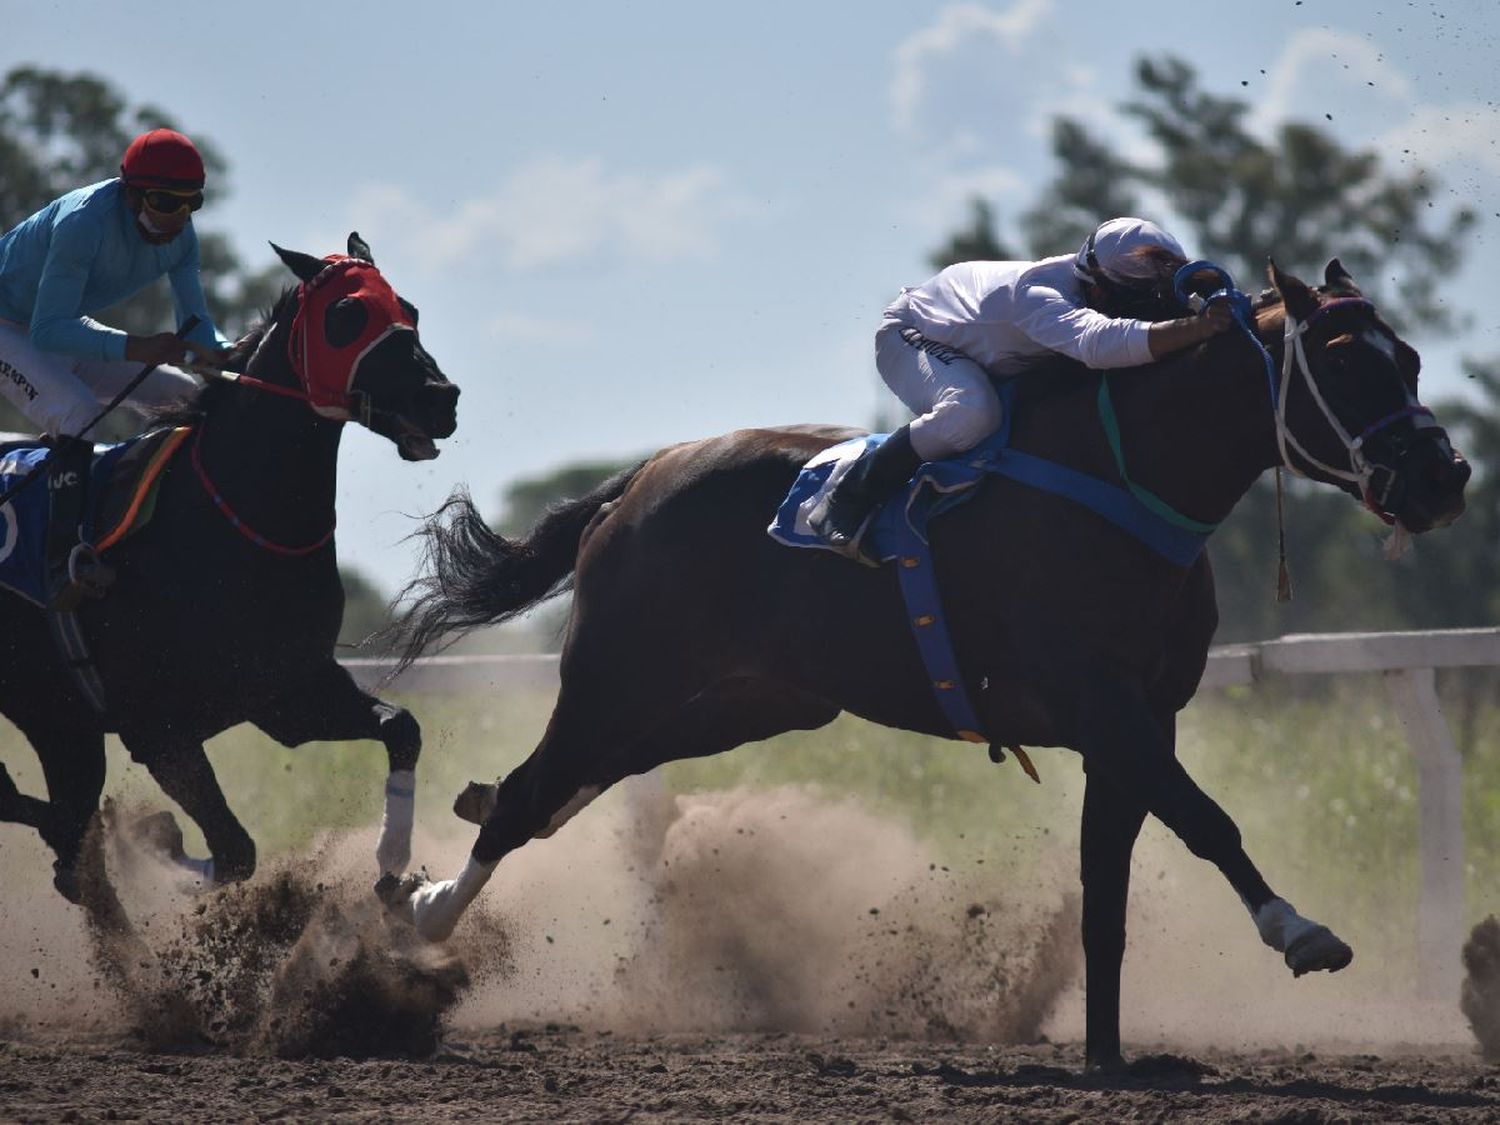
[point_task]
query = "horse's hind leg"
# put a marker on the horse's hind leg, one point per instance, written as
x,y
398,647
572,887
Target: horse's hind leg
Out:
x,y
730,713
328,706
72,758
183,771
17,808
585,750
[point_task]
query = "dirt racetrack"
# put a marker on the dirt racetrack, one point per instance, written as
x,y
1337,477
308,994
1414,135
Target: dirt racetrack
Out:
x,y
747,972
588,1076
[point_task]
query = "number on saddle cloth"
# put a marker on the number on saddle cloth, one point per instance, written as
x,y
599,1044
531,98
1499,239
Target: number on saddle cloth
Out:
x,y
119,482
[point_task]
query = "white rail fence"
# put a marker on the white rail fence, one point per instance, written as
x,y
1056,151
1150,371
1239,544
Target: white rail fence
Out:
x,y
1408,662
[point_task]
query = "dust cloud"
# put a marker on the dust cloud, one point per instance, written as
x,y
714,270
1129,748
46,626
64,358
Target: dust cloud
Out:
x,y
763,910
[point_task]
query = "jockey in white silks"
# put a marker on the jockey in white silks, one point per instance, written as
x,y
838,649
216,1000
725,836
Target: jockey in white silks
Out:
x,y
941,344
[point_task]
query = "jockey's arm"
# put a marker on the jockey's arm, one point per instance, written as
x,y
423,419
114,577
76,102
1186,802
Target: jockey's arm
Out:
x,y
1168,336
188,300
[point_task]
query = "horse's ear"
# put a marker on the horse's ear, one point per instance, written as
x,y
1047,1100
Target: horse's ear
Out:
x,y
1335,276
1296,296
305,266
359,248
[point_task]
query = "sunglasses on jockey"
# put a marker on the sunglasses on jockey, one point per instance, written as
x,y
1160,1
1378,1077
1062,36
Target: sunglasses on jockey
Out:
x,y
164,202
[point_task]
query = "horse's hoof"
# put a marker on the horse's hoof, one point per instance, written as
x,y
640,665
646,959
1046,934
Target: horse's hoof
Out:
x,y
476,802
1104,1065
65,880
1317,949
233,869
396,893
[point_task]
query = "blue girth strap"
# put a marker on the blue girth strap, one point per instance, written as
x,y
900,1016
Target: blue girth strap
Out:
x,y
899,532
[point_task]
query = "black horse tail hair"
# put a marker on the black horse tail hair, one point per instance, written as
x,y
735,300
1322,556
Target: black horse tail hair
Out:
x,y
472,576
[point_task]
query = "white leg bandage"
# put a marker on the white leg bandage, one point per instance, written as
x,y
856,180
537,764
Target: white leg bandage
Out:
x,y
393,852
1280,924
437,907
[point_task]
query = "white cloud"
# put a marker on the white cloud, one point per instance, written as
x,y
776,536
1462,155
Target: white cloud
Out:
x,y
554,211
957,26
951,193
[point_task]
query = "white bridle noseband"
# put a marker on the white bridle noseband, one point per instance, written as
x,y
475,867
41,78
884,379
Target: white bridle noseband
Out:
x,y
1360,470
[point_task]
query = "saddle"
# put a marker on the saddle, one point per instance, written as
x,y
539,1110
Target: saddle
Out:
x,y
121,496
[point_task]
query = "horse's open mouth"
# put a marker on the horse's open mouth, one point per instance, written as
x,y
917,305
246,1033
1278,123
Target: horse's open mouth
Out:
x,y
414,445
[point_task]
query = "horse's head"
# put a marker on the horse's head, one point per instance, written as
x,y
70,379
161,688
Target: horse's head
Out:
x,y
1347,407
355,349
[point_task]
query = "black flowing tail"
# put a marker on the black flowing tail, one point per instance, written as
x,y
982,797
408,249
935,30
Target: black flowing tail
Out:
x,y
472,576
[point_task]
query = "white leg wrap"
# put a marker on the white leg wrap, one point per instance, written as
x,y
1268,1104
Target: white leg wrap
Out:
x,y
1306,946
437,907
393,852
1280,924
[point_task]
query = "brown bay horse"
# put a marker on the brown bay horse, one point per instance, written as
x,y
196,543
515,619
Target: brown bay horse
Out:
x,y
692,632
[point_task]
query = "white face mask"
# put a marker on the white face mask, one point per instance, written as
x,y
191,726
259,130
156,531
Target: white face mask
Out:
x,y
144,218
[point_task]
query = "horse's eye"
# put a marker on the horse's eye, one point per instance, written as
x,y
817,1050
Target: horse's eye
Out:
x,y
344,321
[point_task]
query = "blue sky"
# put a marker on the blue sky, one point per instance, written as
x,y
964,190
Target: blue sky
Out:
x,y
629,224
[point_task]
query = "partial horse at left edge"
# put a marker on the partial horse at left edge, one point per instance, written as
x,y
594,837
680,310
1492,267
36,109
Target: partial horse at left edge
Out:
x,y
228,602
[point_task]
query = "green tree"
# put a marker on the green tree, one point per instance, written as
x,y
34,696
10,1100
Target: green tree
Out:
x,y
1094,184
979,242
527,499
366,609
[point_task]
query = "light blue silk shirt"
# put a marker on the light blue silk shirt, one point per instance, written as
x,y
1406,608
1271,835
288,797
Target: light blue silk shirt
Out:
x,y
81,254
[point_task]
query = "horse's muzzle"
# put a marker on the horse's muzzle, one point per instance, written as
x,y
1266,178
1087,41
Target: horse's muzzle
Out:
x,y
1428,489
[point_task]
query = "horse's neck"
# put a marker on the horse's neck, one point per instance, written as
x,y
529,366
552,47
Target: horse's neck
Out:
x,y
274,461
1200,429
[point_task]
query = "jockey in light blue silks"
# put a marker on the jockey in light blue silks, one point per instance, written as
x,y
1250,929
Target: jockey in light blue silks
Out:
x,y
77,256
940,344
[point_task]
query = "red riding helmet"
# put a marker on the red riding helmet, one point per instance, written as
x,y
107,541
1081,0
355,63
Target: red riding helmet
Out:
x,y
162,158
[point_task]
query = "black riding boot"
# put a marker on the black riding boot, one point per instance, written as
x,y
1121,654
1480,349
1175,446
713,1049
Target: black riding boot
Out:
x,y
840,519
70,580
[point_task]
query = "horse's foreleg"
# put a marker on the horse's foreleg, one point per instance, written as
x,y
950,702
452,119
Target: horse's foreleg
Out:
x,y
1111,821
330,707
183,771
1120,739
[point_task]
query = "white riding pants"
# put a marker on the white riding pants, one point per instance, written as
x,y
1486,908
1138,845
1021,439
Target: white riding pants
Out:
x,y
59,394
952,396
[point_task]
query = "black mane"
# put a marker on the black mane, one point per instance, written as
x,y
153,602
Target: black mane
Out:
x,y
240,352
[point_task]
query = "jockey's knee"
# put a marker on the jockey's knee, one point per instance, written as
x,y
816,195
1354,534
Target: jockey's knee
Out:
x,y
962,422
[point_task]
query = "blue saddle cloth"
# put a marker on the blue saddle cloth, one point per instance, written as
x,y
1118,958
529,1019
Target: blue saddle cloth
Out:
x,y
941,485
23,518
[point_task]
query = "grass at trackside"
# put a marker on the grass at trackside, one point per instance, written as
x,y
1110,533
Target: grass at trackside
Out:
x,y
1319,779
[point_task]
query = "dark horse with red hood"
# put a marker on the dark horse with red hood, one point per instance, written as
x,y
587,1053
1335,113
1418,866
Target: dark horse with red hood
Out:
x,y
228,602
692,632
